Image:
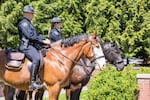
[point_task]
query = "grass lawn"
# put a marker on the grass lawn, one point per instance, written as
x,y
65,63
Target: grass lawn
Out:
x,y
62,96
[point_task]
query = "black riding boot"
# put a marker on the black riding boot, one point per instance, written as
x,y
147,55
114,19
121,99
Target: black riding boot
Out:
x,y
33,85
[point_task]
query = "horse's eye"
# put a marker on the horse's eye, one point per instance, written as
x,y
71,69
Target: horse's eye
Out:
x,y
112,44
97,46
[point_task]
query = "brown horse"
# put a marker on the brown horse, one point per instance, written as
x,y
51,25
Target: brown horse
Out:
x,y
81,73
59,60
80,76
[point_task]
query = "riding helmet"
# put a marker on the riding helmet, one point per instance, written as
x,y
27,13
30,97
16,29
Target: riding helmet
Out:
x,y
28,9
56,20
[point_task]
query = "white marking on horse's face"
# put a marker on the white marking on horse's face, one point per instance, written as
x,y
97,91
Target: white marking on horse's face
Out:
x,y
98,52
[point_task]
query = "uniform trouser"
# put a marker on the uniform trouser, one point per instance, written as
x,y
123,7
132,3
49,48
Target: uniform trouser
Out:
x,y
33,55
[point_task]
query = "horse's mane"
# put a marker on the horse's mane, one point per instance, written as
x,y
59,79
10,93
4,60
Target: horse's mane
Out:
x,y
70,41
111,47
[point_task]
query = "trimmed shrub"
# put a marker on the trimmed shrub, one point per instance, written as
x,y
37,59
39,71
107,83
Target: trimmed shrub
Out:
x,y
111,84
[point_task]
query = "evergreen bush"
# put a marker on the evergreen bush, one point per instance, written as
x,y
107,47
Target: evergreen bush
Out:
x,y
111,84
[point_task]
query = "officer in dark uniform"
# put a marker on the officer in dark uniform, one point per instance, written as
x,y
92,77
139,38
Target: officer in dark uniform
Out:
x,y
55,32
28,40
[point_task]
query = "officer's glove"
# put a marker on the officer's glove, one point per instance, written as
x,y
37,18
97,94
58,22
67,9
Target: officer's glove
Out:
x,y
47,41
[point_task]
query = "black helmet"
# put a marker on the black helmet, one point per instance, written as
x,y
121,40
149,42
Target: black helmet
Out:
x,y
56,20
28,9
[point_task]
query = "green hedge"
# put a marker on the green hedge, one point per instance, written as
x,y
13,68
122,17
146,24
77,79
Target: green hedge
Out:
x,y
110,84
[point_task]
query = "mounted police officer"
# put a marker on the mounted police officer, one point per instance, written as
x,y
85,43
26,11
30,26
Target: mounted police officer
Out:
x,y
28,40
55,32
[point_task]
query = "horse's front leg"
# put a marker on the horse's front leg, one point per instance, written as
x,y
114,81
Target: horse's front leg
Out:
x,y
21,95
68,92
30,95
39,94
53,92
9,92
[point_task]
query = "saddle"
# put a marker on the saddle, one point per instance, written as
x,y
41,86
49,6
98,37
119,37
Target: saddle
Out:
x,y
15,60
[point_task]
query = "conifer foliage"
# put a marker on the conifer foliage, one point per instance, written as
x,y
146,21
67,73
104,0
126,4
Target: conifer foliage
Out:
x,y
125,22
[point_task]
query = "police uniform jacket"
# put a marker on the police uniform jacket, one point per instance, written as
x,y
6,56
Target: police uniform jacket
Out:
x,y
28,34
55,35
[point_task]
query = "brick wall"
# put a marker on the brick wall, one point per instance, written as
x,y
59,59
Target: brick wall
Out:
x,y
144,86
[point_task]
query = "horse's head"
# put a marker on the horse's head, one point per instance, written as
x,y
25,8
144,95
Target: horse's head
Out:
x,y
112,54
93,51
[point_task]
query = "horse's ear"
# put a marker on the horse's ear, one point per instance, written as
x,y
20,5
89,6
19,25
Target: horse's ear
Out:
x,y
94,34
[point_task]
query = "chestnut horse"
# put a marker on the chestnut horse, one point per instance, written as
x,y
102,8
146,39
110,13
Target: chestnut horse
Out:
x,y
80,74
59,60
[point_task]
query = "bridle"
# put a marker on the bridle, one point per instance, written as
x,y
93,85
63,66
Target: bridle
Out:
x,y
108,51
94,56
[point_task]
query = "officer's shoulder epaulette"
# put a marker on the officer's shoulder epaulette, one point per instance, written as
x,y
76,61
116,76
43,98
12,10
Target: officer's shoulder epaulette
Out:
x,y
56,33
24,23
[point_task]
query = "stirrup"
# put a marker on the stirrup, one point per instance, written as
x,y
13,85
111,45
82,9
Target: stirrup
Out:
x,y
35,86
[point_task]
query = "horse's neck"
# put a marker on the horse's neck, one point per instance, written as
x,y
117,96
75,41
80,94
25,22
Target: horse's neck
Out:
x,y
88,66
77,52
71,54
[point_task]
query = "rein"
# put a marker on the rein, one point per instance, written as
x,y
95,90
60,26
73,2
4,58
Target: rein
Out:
x,y
64,56
96,58
57,58
118,62
82,61
80,64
